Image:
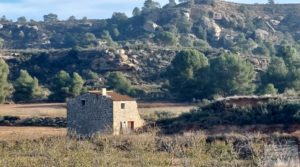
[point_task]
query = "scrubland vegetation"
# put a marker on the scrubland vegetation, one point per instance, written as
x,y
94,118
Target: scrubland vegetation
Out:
x,y
145,149
195,145
186,51
197,50
218,113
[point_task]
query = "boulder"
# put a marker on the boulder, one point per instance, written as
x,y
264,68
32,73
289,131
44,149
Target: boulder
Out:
x,y
150,26
211,24
123,58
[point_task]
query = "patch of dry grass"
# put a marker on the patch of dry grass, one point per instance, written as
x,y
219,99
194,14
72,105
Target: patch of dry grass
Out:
x,y
59,109
22,133
147,149
153,113
124,151
177,110
34,110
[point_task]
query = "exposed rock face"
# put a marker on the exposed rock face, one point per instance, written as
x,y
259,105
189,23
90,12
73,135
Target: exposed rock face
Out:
x,y
275,22
217,16
123,58
187,14
217,29
263,34
150,26
211,24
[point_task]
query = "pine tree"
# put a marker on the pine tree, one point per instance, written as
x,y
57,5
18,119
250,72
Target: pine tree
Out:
x,y
231,75
269,90
136,11
60,86
77,84
119,82
64,86
271,2
183,71
27,88
4,86
150,4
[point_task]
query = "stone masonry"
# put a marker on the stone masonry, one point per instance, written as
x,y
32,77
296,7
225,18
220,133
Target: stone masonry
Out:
x,y
102,112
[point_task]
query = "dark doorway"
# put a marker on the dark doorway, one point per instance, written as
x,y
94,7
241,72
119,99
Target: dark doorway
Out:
x,y
131,125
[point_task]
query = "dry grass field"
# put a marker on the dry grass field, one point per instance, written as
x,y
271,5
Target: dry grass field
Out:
x,y
43,146
22,133
145,149
59,109
34,110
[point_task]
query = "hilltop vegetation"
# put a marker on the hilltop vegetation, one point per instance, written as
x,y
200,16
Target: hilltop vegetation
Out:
x,y
252,29
256,44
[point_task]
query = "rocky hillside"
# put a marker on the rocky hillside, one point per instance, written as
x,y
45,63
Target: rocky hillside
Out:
x,y
144,45
217,21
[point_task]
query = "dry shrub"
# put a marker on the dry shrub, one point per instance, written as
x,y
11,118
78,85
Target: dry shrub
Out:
x,y
147,149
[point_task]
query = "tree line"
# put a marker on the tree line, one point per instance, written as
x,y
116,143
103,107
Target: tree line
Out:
x,y
192,75
26,88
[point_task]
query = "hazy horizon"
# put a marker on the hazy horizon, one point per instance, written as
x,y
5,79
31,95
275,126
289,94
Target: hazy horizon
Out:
x,y
93,9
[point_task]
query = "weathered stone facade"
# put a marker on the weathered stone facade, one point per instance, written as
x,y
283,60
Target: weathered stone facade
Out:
x,y
101,112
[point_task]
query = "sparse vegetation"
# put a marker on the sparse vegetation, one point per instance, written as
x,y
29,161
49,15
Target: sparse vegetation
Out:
x,y
220,113
139,150
193,51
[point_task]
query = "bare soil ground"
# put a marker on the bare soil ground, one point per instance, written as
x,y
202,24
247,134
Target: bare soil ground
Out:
x,y
21,133
59,109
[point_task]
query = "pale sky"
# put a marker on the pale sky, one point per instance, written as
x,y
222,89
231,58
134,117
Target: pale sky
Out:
x,y
35,9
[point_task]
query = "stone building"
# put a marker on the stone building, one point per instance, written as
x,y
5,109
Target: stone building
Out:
x,y
102,112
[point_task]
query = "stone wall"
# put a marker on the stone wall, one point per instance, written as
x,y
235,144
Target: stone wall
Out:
x,y
95,116
100,114
130,113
